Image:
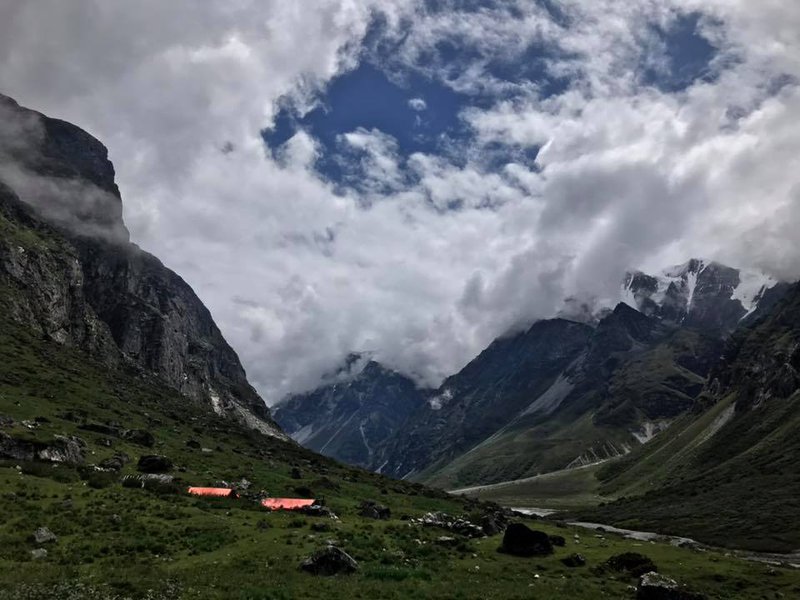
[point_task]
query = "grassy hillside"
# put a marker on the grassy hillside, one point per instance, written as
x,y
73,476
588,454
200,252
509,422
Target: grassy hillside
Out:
x,y
119,542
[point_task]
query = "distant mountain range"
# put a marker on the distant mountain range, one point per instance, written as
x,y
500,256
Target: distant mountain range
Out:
x,y
563,393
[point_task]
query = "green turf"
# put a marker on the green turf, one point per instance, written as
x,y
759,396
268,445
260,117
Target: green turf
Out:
x,y
116,542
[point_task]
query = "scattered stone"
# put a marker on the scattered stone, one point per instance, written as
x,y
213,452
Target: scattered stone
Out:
x,y
296,473
206,450
450,523
44,536
369,509
520,540
154,463
447,541
6,421
558,540
653,586
632,563
318,510
329,561
115,519
141,437
107,442
574,560
38,554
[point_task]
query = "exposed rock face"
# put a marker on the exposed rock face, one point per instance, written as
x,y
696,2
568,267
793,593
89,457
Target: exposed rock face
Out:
x,y
74,277
702,294
330,561
348,418
61,449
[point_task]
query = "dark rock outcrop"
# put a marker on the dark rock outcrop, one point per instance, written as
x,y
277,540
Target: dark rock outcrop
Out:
x,y
370,509
574,560
61,449
520,540
632,563
154,463
73,276
329,561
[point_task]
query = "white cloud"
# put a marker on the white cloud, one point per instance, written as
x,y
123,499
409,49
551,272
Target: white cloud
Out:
x,y
417,104
425,262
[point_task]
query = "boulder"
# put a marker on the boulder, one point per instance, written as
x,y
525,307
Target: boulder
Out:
x,y
44,536
154,463
520,540
6,421
633,563
574,560
317,510
558,540
38,554
653,586
115,463
447,541
370,509
329,561
61,449
141,437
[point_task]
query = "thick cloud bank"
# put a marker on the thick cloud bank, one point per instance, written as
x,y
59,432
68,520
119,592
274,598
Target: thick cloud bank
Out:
x,y
592,137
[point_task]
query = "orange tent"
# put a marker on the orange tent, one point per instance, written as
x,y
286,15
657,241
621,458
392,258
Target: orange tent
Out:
x,y
285,503
217,492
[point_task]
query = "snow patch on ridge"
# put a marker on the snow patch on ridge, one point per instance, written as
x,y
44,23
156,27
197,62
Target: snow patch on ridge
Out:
x,y
649,430
751,288
437,402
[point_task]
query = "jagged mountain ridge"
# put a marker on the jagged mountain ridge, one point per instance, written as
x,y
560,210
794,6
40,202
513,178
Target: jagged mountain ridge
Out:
x,y
69,271
702,294
348,418
626,380
728,467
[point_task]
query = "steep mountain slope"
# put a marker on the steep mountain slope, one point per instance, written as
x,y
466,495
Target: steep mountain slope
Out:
x,y
701,294
727,472
347,419
492,389
69,272
632,378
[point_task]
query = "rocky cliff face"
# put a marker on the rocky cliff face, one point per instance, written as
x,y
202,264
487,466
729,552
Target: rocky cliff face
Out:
x,y
350,417
68,270
701,294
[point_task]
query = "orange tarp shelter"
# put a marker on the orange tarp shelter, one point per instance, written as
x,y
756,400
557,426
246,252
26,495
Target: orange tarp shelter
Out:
x,y
217,492
285,503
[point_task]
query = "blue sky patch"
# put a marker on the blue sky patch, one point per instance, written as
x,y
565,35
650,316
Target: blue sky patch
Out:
x,y
688,55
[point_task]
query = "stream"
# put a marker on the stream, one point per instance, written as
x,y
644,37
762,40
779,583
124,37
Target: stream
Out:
x,y
791,559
